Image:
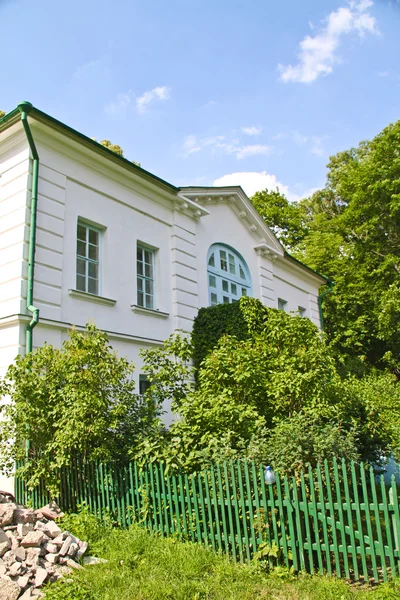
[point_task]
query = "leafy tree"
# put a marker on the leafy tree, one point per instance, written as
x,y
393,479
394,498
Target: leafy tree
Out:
x,y
113,147
2,113
78,400
286,219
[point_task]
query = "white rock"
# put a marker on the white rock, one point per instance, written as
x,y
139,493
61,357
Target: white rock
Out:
x,y
24,528
9,590
23,581
66,545
93,560
7,513
73,549
33,539
41,576
83,546
5,543
52,558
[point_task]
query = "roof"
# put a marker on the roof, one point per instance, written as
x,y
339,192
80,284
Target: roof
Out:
x,y
15,115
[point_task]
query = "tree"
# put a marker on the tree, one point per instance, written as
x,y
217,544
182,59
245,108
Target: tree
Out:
x,y
2,113
113,147
350,232
76,401
284,218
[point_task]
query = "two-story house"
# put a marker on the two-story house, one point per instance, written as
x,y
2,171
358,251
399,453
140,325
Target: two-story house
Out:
x,y
86,235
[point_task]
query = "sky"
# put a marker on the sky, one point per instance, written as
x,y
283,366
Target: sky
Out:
x,y
210,92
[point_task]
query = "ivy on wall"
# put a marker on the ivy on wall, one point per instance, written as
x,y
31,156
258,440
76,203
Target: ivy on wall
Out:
x,y
240,319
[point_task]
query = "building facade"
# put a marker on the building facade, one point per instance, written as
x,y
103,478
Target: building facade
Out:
x,y
115,245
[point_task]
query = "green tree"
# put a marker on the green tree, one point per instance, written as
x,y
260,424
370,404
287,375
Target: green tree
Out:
x,y
350,231
286,219
2,113
113,147
78,400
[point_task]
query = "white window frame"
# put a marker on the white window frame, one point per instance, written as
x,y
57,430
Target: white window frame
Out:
x,y
225,280
142,277
89,227
282,304
302,311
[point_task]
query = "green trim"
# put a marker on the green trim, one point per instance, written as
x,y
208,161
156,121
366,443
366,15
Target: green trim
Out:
x,y
25,109
39,115
301,264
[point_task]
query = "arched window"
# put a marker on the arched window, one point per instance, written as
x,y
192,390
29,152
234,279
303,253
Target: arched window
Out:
x,y
228,275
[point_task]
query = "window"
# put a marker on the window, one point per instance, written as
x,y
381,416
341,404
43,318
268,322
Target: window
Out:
x,y
144,384
282,304
302,311
88,259
145,277
228,275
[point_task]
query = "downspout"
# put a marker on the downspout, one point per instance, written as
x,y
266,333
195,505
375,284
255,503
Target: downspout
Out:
x,y
320,298
25,108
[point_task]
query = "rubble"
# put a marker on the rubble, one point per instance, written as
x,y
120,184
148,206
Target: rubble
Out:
x,y
33,549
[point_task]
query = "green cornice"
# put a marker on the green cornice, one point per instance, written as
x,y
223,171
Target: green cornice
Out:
x,y
14,116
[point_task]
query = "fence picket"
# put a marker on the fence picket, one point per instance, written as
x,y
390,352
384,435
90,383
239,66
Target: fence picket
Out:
x,y
309,546
332,517
313,508
324,521
388,527
237,512
229,504
359,521
223,509
381,548
394,500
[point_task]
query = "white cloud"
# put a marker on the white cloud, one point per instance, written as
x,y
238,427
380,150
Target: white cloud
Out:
x,y
317,53
221,144
122,102
254,181
154,95
253,130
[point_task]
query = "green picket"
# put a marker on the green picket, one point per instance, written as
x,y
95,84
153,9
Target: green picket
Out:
x,y
395,519
332,518
196,507
229,508
237,512
381,548
364,488
313,508
359,521
350,519
183,506
216,511
388,527
190,509
324,521
244,513
293,536
299,524
309,546
223,509
211,519
282,523
341,518
250,505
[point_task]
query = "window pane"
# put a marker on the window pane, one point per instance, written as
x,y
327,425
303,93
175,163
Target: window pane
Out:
x,y
234,289
232,267
148,270
225,285
225,299
223,261
93,270
139,254
93,237
81,234
80,283
93,252
242,275
282,304
244,292
212,281
92,286
149,286
211,260
140,284
139,268
149,301
302,311
80,266
214,299
140,298
148,257
144,384
81,248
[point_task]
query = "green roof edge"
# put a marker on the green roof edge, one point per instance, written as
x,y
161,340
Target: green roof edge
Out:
x,y
10,117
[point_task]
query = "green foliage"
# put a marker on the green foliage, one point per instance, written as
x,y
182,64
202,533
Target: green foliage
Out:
x,y
238,319
169,370
284,218
305,439
76,400
86,526
113,147
143,566
2,114
353,235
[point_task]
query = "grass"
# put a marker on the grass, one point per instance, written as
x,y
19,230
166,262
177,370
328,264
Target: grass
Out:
x,y
142,566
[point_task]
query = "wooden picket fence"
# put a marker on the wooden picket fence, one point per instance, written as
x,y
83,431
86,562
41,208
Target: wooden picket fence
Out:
x,y
337,519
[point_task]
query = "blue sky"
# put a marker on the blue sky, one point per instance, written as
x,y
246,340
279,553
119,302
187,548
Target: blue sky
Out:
x,y
251,92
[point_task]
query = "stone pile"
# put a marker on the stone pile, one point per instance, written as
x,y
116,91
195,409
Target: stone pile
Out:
x,y
33,549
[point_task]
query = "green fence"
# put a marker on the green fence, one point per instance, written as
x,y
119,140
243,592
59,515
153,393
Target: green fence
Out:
x,y
336,519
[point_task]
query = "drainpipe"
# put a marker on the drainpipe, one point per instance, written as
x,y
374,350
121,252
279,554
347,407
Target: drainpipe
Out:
x,y
25,108
320,297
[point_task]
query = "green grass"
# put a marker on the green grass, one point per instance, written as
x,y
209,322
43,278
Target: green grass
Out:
x,y
142,566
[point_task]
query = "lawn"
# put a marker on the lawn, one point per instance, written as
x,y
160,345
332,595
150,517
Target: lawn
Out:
x,y
143,566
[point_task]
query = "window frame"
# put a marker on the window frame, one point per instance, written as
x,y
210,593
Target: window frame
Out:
x,y
222,276
144,278
302,312
89,227
282,304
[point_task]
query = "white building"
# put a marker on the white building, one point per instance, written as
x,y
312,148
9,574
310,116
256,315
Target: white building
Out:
x,y
116,245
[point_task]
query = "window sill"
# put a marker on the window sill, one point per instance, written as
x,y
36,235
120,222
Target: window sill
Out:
x,y
91,298
149,311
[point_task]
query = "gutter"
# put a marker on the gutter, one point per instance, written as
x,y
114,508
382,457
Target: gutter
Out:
x,y
320,297
24,108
